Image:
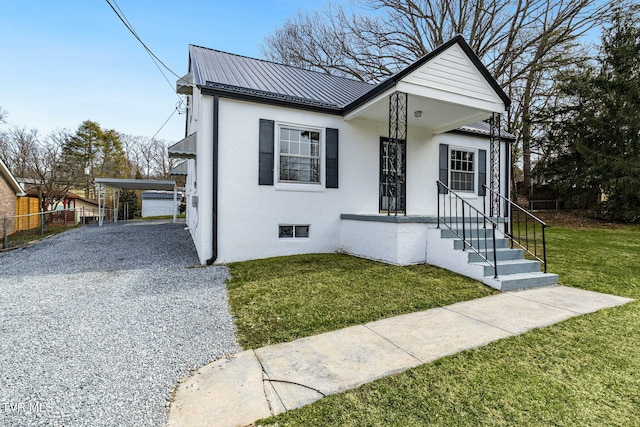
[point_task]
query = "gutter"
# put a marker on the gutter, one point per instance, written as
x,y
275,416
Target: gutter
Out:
x,y
214,204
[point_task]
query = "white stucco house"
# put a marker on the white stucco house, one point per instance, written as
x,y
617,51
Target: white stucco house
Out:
x,y
282,160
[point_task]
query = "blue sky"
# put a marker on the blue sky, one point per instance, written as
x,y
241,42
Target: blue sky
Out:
x,y
63,62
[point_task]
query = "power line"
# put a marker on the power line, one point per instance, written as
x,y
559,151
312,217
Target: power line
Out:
x,y
156,60
124,20
163,125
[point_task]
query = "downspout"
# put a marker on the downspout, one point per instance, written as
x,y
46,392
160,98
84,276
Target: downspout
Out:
x,y
214,204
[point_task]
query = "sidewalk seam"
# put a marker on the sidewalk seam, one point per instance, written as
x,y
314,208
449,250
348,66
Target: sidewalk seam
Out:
x,y
481,321
265,373
396,345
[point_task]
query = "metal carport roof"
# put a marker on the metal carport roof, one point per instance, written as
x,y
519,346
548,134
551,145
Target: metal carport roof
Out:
x,y
131,184
137,184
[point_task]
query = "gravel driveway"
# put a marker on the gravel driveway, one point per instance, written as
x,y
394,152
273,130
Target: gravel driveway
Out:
x,y
97,325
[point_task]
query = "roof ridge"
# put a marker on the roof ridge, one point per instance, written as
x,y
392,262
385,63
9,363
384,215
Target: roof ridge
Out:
x,y
284,65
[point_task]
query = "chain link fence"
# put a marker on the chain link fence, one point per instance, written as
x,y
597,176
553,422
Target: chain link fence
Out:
x,y
20,230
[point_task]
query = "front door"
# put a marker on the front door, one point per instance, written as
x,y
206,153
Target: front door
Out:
x,y
393,165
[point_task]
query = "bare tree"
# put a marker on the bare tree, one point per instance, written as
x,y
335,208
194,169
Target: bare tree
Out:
x,y
40,162
522,42
17,147
148,156
53,173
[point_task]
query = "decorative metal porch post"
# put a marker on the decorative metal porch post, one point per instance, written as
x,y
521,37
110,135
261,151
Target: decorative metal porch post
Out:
x,y
494,166
396,163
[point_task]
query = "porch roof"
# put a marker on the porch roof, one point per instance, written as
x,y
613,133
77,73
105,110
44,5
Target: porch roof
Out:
x,y
449,85
447,88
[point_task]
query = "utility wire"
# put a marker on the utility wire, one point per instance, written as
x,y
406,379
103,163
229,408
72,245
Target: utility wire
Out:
x,y
163,125
132,31
156,61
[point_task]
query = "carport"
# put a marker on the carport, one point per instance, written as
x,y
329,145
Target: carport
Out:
x,y
117,184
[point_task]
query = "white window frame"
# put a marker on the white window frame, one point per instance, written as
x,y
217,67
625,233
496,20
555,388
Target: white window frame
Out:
x,y
474,151
300,185
294,236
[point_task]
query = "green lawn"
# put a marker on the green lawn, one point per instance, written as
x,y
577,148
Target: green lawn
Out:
x,y
582,372
282,299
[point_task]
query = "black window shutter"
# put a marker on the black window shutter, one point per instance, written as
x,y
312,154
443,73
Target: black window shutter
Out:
x,y
266,138
482,172
332,158
444,167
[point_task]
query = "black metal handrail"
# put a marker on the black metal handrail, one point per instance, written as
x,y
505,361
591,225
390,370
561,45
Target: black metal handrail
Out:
x,y
454,221
528,242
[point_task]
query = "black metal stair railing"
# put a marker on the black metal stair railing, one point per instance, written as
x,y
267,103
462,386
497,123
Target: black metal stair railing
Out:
x,y
458,215
524,230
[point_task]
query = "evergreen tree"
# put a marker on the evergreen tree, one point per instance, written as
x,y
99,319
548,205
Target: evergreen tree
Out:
x,y
595,133
97,151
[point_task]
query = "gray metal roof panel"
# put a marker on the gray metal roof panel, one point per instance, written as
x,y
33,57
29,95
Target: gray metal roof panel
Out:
x,y
483,128
263,78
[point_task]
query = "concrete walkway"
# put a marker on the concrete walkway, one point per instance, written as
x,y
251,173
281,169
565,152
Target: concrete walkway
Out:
x,y
255,384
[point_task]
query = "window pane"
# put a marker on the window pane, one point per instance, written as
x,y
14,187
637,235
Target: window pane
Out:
x,y
285,231
284,147
304,149
302,231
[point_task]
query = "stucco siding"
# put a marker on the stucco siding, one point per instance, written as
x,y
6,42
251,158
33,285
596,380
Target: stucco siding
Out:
x,y
249,215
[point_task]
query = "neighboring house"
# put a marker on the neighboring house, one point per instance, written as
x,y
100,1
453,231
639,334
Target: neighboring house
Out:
x,y
160,203
282,160
85,210
10,190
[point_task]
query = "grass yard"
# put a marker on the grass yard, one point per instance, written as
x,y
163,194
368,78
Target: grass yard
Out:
x,y
282,299
582,372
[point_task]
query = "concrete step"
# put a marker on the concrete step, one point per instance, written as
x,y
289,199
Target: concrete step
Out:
x,y
482,243
510,267
526,280
503,254
470,233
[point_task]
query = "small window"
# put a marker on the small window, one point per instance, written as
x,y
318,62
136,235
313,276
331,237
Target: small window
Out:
x,y
285,231
302,231
293,231
462,170
299,155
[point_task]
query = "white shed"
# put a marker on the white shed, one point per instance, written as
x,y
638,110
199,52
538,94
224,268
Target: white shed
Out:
x,y
159,203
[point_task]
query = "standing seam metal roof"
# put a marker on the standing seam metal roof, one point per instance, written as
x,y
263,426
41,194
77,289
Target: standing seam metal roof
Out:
x,y
239,73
